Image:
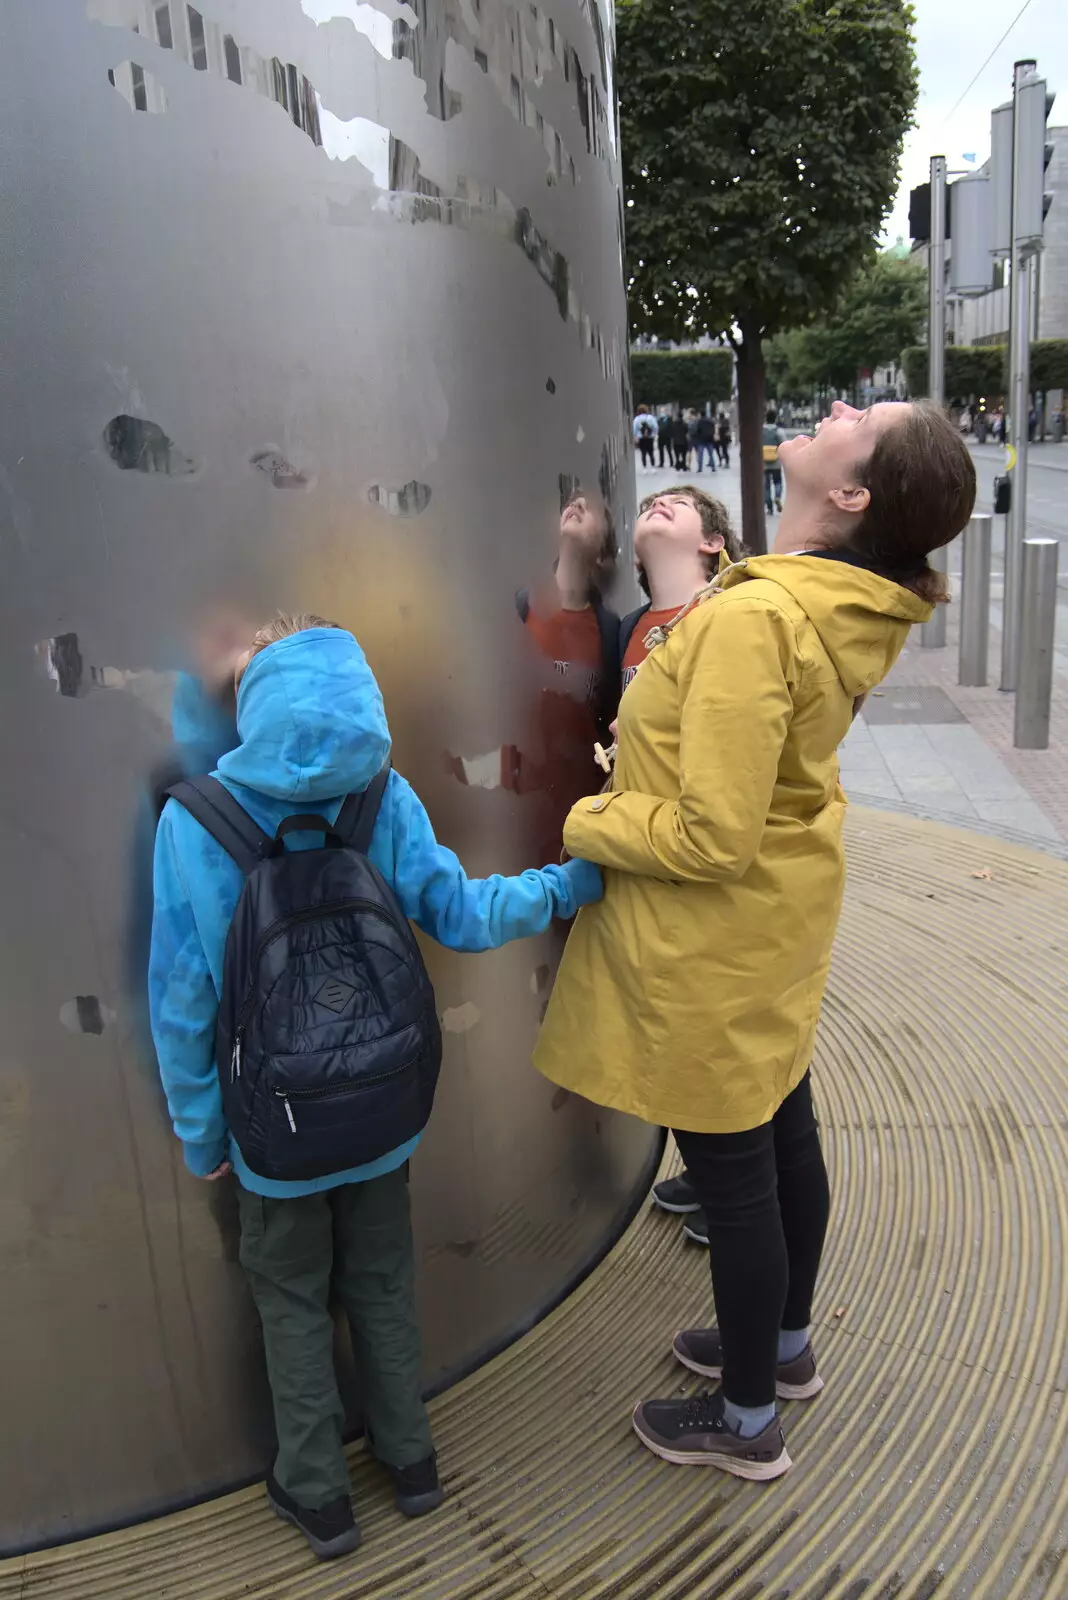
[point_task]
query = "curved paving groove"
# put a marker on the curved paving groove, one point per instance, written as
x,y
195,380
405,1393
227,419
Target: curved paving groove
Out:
x,y
935,1462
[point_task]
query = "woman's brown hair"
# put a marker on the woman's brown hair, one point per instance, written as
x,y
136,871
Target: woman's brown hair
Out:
x,y
921,479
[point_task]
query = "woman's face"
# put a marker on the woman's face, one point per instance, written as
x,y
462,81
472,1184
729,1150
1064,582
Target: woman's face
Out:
x,y
827,460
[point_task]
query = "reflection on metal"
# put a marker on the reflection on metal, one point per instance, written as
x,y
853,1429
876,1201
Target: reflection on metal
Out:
x,y
136,445
85,1014
279,469
203,45
140,90
221,295
407,501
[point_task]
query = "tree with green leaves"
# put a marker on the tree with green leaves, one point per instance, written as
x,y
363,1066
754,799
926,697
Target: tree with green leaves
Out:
x,y
760,154
880,312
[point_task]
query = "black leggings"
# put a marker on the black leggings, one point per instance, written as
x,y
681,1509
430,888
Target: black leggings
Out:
x,y
766,1197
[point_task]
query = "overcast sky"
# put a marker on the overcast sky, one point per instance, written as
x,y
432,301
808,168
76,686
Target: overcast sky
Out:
x,y
953,39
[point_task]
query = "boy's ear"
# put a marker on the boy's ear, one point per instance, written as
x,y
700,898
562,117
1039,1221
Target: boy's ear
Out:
x,y
713,546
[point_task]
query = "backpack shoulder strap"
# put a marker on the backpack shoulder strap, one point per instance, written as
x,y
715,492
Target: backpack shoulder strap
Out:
x,y
229,824
628,625
356,820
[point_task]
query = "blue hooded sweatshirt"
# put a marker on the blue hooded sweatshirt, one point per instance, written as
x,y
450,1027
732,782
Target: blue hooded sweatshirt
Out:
x,y
313,729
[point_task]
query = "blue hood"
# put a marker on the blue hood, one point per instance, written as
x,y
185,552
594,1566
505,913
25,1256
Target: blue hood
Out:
x,y
310,718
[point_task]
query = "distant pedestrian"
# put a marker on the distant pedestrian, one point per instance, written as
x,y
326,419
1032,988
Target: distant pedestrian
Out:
x,y
680,440
705,442
663,437
646,440
723,439
773,438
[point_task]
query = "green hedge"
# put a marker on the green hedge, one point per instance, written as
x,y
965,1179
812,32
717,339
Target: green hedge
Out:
x,y
681,377
1049,364
982,369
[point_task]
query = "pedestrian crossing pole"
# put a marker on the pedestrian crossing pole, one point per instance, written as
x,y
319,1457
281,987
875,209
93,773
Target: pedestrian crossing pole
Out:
x,y
933,633
1019,396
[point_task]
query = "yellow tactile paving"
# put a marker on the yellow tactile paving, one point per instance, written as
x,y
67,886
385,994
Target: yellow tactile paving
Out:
x,y
935,1462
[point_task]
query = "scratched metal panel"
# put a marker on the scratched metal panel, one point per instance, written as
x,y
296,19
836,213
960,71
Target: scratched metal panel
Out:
x,y
306,303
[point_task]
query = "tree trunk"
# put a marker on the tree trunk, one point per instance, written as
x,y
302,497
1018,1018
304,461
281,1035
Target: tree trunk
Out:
x,y
751,399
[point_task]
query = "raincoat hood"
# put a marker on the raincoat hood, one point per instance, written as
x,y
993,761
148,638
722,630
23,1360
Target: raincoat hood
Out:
x,y
861,618
310,718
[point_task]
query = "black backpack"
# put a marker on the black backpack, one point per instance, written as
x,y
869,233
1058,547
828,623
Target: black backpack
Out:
x,y
328,1044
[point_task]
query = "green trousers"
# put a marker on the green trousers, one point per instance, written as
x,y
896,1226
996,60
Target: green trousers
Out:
x,y
358,1239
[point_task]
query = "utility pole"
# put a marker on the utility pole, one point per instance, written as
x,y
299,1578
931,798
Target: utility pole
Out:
x,y
1020,290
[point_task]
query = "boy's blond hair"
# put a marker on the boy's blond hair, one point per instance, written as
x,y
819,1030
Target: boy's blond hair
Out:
x,y
282,626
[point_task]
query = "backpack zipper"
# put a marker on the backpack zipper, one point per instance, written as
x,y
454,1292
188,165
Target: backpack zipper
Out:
x,y
350,1085
334,908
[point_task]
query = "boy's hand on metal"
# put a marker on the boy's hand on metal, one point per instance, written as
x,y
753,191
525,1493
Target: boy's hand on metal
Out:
x,y
223,1170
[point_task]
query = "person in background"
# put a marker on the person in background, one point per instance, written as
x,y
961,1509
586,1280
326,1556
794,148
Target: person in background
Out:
x,y
646,439
680,440
773,438
723,439
690,995
313,730
705,437
663,437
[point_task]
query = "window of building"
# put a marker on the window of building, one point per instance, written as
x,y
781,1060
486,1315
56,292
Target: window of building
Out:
x,y
163,27
482,60
197,39
517,98
140,96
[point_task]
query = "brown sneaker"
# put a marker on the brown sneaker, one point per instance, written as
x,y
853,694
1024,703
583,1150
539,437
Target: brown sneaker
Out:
x,y
694,1433
700,1350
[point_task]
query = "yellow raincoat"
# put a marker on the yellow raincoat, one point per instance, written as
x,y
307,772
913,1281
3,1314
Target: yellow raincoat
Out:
x,y
689,995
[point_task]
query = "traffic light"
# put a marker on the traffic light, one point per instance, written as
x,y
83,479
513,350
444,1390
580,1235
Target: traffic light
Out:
x,y
1032,158
920,213
1000,167
970,270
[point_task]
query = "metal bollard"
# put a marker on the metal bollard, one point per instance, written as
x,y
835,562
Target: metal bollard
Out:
x,y
975,602
933,633
1038,620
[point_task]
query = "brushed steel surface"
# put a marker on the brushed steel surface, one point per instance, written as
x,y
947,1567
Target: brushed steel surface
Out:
x,y
306,304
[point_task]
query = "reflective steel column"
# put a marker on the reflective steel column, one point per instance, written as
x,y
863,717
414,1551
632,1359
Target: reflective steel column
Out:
x,y
306,305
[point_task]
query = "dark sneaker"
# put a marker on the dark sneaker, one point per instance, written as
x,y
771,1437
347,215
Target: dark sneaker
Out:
x,y
676,1194
418,1488
694,1433
330,1531
696,1228
700,1350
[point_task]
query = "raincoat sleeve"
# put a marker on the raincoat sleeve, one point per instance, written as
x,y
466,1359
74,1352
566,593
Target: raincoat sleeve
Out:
x,y
183,1006
735,705
476,913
